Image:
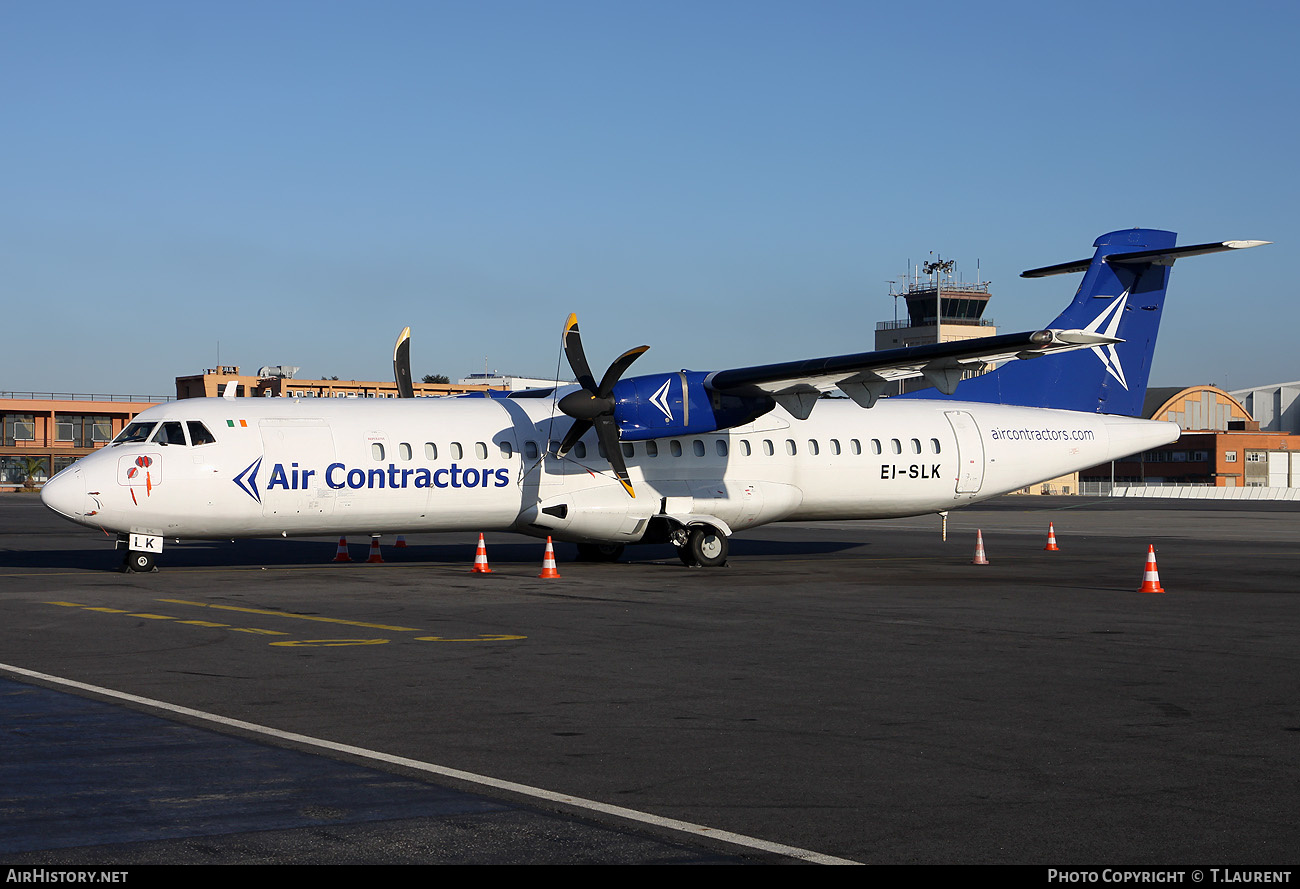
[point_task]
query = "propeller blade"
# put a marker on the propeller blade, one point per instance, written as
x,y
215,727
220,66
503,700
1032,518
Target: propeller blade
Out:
x,y
402,365
607,432
577,358
616,370
576,431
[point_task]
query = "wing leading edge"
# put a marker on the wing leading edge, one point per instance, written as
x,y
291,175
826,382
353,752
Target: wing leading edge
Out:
x,y
796,385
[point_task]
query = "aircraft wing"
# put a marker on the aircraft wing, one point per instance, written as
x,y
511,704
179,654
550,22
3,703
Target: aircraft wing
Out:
x,y
796,385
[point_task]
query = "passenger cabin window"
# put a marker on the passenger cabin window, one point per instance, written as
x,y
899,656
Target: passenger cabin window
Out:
x,y
199,434
530,450
480,449
170,433
404,450
896,446
457,452
768,450
652,449
916,446
580,450
875,446
855,446
934,445
835,446
697,447
506,450
377,451
430,451
721,447
628,450
675,447
745,449
813,447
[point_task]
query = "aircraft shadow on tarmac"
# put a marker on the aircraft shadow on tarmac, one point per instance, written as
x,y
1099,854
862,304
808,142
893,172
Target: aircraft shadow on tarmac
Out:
x,y
284,553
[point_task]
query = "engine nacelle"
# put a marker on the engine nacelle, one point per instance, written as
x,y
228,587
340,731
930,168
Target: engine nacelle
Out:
x,y
604,514
661,405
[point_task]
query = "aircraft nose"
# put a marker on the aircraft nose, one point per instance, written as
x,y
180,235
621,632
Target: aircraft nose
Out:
x,y
66,493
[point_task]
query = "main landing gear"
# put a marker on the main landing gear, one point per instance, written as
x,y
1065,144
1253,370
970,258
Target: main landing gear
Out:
x,y
701,546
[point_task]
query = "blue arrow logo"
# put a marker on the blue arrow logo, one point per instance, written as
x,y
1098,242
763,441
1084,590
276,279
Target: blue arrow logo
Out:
x,y
247,480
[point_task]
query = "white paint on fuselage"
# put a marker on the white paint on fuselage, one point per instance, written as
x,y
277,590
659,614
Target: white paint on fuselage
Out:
x,y
376,466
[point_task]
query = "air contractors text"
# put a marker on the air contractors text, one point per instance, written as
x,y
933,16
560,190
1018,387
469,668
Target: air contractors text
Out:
x,y
1042,434
338,476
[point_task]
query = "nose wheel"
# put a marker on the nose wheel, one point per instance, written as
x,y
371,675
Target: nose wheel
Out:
x,y
140,563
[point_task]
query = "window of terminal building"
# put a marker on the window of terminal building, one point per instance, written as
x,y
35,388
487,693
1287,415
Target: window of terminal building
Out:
x,y
83,430
19,427
1229,456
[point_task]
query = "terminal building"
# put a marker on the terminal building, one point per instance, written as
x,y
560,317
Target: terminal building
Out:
x,y
43,432
1222,446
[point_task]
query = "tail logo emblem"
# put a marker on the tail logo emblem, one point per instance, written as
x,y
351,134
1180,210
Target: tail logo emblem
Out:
x,y
1110,316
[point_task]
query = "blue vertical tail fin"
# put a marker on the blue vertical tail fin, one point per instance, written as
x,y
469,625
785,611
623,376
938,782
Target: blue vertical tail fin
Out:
x,y
1122,295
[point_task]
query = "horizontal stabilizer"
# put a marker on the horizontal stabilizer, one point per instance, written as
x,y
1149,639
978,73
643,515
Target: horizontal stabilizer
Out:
x,y
1155,257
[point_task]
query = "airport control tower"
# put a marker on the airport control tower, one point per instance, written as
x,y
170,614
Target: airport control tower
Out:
x,y
939,310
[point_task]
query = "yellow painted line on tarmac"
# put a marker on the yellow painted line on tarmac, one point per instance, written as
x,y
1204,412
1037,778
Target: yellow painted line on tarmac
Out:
x,y
258,631
313,617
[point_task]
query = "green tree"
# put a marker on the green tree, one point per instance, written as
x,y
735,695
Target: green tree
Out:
x,y
434,378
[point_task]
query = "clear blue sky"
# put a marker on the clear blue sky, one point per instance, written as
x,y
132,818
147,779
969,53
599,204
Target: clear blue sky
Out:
x,y
732,183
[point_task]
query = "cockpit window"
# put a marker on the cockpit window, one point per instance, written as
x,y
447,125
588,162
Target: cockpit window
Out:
x,y
170,433
134,432
199,434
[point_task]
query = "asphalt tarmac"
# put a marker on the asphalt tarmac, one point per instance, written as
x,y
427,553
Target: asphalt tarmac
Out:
x,y
841,692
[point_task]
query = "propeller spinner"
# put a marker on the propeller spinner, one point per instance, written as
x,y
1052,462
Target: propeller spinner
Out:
x,y
593,405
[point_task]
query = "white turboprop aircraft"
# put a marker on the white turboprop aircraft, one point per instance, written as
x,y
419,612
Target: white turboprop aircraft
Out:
x,y
687,458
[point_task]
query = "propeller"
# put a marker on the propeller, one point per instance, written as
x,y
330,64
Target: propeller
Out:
x,y
593,405
402,365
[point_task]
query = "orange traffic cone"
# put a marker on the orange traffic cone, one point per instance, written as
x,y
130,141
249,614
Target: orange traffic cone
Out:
x,y
401,542
980,558
375,557
1051,538
1151,577
341,554
548,561
480,559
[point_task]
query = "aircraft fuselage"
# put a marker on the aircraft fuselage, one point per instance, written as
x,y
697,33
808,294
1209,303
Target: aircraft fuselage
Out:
x,y
351,466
